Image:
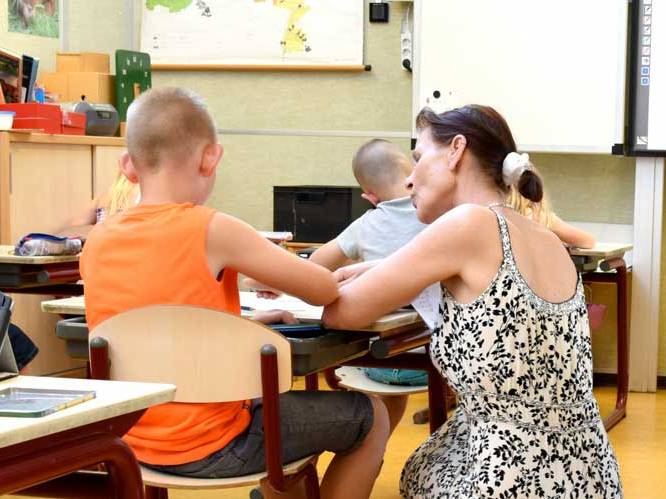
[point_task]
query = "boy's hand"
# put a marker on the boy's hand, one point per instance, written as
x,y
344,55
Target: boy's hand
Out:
x,y
345,275
274,317
262,290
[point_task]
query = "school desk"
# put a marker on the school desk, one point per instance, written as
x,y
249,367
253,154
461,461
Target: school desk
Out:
x,y
605,263
56,275
37,450
394,335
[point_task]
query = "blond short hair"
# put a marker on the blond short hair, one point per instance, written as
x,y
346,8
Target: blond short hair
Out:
x,y
379,164
167,124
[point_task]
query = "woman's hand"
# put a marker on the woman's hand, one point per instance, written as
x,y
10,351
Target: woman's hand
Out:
x,y
345,275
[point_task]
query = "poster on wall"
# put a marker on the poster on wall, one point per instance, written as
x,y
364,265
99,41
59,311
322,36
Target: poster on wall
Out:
x,y
253,32
34,17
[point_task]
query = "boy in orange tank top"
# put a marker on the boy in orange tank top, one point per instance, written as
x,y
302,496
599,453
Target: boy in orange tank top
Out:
x,y
170,249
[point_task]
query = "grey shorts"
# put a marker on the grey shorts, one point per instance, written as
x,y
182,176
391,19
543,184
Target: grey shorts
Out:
x,y
310,423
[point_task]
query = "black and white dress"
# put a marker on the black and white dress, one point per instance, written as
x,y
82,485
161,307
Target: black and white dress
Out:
x,y
527,424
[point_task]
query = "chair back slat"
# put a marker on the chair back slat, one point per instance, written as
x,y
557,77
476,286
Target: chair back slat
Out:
x,y
211,356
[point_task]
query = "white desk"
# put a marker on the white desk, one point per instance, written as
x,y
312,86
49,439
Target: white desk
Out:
x,y
35,450
387,325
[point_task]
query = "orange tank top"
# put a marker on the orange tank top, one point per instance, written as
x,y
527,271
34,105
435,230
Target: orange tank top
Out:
x,y
157,255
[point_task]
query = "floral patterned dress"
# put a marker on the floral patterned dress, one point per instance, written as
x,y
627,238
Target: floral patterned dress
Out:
x,y
527,424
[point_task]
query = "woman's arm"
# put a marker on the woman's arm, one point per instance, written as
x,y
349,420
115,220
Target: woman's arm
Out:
x,y
449,247
573,236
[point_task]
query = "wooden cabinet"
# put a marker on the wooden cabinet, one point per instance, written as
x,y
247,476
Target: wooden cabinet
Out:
x,y
44,181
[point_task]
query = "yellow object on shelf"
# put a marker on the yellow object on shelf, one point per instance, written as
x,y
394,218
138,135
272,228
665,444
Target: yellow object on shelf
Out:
x,y
78,62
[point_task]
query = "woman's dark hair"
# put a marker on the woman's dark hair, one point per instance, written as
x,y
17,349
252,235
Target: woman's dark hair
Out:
x,y
488,138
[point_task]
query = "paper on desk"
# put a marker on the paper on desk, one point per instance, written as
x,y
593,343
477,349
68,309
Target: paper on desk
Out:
x,y
427,305
301,310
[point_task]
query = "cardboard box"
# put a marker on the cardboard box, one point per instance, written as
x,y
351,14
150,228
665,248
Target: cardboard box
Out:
x,y
98,88
77,62
56,84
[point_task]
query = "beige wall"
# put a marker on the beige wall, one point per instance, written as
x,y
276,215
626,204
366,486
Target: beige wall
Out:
x,y
591,188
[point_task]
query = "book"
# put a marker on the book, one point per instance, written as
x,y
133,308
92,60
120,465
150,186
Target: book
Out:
x,y
30,65
11,76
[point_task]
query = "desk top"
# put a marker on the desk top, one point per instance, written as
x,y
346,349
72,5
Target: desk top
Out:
x,y
7,256
112,398
301,310
603,250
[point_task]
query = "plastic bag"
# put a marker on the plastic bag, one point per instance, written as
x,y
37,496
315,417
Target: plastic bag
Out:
x,y
36,244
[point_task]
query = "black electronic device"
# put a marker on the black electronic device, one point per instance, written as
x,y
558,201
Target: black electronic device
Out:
x,y
316,214
8,368
379,12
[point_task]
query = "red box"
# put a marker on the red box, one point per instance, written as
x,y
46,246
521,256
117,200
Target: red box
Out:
x,y
47,117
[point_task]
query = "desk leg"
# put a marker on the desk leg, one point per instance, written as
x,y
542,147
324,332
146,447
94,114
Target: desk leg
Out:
x,y
312,382
332,380
620,280
622,351
67,456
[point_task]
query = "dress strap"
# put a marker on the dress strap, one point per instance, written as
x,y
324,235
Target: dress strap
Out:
x,y
504,235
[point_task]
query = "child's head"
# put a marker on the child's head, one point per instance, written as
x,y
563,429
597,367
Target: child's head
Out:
x,y
381,168
171,134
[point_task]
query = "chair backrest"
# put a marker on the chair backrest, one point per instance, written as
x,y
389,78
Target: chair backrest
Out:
x,y
211,356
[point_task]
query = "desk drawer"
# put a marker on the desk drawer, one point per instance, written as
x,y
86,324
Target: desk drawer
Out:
x,y
330,348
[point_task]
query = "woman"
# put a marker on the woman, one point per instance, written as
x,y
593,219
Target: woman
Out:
x,y
514,337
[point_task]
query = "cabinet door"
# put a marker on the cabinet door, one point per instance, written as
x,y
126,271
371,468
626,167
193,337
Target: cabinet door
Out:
x,y
105,167
49,183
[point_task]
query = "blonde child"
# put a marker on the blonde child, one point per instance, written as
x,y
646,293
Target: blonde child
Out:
x,y
542,213
170,249
121,195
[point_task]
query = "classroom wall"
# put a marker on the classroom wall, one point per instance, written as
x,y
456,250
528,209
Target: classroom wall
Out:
x,y
38,46
591,188
99,26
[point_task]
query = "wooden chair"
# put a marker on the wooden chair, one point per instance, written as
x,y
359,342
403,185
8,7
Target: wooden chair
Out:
x,y
210,356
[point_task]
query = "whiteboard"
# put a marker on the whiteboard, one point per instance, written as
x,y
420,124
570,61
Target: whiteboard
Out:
x,y
253,32
555,69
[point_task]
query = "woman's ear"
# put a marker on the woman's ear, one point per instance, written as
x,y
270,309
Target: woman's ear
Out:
x,y
128,168
211,156
456,150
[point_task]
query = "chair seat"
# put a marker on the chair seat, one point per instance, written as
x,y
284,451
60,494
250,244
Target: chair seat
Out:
x,y
168,481
354,378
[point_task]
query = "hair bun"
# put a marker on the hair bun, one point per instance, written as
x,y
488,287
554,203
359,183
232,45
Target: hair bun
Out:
x,y
530,186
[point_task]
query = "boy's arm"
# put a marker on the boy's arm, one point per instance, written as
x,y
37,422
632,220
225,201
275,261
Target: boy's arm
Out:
x,y
233,243
330,256
571,235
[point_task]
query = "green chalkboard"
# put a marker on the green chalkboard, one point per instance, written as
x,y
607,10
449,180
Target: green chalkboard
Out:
x,y
133,76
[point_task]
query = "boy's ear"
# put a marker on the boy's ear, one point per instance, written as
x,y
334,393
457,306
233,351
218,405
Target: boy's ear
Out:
x,y
128,168
370,198
211,156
